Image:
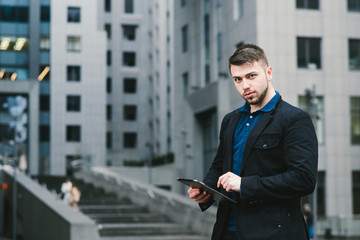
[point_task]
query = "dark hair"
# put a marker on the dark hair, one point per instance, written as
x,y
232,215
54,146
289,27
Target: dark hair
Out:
x,y
248,53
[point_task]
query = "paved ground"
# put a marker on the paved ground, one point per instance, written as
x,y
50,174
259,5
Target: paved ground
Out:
x,y
339,238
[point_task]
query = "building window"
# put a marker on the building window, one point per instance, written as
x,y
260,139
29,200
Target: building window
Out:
x,y
129,112
321,197
307,4
356,191
309,53
108,30
129,6
238,9
14,14
185,78
108,112
73,103
108,140
354,54
73,44
108,58
45,43
73,73
107,5
355,120
353,5
12,43
73,133
129,140
44,133
108,85
306,104
219,46
129,59
73,15
129,85
44,14
129,32
44,103
184,38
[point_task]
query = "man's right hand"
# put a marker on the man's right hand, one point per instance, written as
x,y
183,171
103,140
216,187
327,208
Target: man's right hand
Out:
x,y
198,196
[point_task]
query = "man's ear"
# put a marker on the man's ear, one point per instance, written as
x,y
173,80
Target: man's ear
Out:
x,y
269,73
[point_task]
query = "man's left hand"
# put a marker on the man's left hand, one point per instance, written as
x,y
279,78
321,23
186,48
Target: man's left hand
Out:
x,y
230,182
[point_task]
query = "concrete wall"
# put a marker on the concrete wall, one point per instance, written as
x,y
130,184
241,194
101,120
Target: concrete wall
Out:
x,y
40,216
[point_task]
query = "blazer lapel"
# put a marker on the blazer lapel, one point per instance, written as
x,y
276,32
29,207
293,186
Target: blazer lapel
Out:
x,y
253,136
229,138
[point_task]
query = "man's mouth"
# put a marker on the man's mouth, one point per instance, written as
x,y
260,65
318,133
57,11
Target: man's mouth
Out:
x,y
249,94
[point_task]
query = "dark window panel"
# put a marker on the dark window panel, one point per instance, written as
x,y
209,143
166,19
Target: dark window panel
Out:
x,y
73,73
107,5
44,103
44,133
354,54
73,103
129,6
73,133
108,85
129,32
129,112
129,85
129,59
74,14
14,14
130,140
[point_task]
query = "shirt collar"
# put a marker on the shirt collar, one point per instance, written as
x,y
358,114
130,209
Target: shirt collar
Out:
x,y
267,108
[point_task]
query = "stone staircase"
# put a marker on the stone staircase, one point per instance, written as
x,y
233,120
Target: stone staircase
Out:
x,y
120,218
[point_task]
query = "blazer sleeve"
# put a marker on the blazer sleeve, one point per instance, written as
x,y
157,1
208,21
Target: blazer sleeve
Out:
x,y
300,154
216,169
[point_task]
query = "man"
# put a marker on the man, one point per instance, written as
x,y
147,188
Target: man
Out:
x,y
266,159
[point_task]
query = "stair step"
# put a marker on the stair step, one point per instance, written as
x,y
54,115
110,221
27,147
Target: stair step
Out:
x,y
94,201
136,229
128,217
126,208
158,237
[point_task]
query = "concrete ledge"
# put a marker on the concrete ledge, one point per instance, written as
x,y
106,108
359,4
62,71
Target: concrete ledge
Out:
x,y
41,216
176,207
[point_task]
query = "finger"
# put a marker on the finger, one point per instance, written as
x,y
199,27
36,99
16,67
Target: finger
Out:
x,y
194,193
202,197
224,181
220,180
205,199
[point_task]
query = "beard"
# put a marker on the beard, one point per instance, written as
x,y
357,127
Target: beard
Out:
x,y
256,101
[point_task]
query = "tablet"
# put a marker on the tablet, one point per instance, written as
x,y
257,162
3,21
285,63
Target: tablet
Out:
x,y
216,195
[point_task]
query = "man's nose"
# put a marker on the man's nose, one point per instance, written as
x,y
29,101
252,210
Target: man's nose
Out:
x,y
245,84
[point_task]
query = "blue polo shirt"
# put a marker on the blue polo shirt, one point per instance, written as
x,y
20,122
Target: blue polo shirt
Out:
x,y
242,131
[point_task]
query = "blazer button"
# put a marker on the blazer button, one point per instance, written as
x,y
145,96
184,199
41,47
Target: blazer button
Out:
x,y
265,146
279,226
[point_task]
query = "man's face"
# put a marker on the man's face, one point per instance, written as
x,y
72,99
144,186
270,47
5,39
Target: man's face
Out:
x,y
252,82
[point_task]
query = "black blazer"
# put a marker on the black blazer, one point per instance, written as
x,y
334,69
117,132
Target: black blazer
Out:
x,y
279,167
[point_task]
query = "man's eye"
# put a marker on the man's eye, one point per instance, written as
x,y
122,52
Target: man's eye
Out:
x,y
237,79
252,76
